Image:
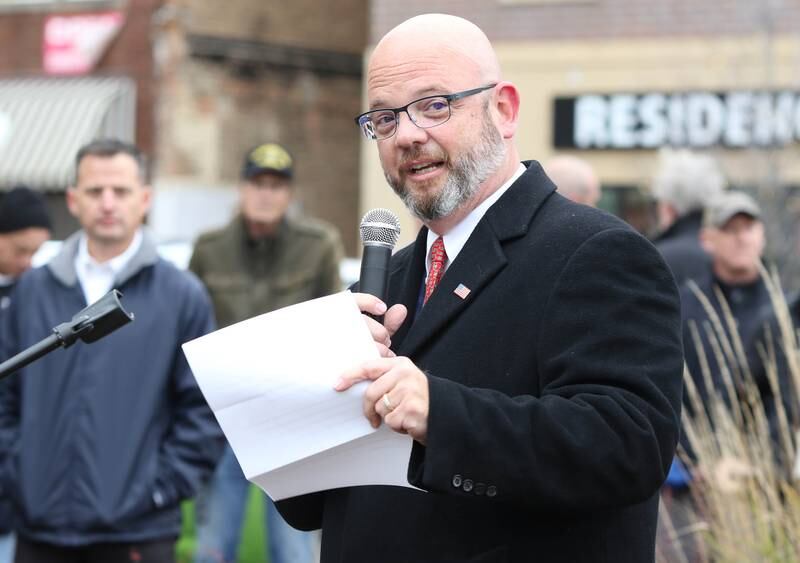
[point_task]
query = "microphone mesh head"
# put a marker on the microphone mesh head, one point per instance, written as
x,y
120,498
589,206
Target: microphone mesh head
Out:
x,y
381,227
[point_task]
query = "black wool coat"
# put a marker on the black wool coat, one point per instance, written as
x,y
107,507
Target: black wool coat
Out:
x,y
555,390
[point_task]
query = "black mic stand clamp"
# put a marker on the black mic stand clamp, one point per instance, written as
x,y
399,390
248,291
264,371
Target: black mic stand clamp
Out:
x,y
102,317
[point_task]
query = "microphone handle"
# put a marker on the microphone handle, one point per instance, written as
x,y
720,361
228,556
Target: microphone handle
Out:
x,y
374,278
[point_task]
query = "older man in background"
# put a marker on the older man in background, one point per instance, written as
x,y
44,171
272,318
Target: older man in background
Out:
x,y
261,261
729,289
684,184
575,179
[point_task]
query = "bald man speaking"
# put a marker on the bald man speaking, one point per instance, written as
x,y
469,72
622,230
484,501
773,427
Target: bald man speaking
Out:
x,y
531,348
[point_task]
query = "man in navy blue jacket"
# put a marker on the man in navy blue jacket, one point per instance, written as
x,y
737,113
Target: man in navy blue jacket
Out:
x,y
105,440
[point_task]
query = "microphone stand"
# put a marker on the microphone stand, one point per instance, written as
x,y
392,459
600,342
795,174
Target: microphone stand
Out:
x,y
91,324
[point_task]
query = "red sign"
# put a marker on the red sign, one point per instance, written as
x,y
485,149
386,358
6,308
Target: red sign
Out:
x,y
73,44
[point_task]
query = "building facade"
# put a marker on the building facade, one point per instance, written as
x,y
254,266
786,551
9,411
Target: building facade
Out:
x,y
614,81
195,84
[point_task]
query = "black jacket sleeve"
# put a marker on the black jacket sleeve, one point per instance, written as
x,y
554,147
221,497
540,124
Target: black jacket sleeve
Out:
x,y
603,430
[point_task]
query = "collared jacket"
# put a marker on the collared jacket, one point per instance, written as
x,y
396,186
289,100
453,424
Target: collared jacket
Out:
x,y
102,441
554,397
246,277
680,247
748,305
5,505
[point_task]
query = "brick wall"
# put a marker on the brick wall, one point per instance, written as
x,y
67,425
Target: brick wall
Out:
x,y
336,25
211,116
20,43
130,55
566,19
245,72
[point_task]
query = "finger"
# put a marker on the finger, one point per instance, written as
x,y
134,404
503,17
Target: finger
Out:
x,y
394,318
374,405
378,411
378,332
367,371
370,304
409,418
385,351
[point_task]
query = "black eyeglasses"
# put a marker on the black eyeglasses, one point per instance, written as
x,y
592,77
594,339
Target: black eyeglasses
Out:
x,y
426,112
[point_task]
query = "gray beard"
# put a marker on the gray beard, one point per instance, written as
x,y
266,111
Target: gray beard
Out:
x,y
465,178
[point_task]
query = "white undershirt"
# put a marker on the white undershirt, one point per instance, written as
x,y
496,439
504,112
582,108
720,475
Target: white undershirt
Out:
x,y
97,278
455,240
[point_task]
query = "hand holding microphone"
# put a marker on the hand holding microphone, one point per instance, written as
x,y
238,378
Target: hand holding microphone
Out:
x,y
398,390
379,230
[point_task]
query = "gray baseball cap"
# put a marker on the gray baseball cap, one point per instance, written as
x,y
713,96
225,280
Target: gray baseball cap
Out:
x,y
725,206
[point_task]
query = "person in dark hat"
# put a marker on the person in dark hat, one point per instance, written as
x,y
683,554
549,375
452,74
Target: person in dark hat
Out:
x,y
24,227
262,261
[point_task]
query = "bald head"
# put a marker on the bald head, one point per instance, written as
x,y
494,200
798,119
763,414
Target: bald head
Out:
x,y
443,119
574,178
436,39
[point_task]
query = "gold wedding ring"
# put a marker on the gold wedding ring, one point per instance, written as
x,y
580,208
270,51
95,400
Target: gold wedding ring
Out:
x,y
387,402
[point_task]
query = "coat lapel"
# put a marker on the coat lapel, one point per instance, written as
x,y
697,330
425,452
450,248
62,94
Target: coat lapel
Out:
x,y
478,263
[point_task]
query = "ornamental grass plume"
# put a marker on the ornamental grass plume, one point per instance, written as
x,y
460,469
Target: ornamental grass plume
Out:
x,y
745,470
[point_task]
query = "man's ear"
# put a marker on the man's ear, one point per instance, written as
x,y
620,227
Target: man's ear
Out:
x,y
706,238
507,107
148,197
71,201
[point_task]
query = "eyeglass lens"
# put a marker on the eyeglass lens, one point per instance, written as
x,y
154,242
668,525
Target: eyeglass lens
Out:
x,y
424,113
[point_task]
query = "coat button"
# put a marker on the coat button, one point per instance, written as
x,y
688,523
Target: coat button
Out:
x,y
480,488
467,486
491,491
456,480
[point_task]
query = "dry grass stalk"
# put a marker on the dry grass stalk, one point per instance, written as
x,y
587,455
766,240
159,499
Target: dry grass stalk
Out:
x,y
748,502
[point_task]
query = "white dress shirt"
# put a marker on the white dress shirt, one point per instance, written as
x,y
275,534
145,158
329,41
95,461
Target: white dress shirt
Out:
x,y
5,281
455,240
97,278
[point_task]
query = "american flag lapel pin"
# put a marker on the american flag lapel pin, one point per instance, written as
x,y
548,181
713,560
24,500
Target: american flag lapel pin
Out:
x,y
462,291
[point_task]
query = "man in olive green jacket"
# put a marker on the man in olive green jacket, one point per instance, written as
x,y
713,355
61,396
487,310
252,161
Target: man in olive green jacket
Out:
x,y
260,262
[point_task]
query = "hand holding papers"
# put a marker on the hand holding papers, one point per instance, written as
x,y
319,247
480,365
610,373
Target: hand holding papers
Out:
x,y
269,381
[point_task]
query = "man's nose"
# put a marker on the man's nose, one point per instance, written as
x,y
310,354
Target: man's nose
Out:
x,y
107,199
408,133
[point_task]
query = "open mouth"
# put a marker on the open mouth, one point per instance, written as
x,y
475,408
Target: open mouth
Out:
x,y
419,169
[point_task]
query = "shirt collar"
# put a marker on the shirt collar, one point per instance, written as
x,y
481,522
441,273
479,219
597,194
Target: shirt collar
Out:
x,y
455,240
115,264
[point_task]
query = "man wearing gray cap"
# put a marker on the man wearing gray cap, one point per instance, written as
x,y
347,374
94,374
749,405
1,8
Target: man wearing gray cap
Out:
x,y
732,233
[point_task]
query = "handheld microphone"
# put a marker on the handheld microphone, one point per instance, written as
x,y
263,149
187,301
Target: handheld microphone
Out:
x,y
379,231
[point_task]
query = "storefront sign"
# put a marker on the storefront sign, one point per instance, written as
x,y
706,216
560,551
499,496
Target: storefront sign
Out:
x,y
74,44
736,119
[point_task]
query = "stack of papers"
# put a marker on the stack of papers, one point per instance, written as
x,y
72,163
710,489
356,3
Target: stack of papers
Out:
x,y
269,381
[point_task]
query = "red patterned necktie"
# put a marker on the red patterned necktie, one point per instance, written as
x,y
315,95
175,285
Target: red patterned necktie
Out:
x,y
438,259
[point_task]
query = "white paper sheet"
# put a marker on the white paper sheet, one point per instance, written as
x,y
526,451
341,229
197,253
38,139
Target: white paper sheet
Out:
x,y
269,381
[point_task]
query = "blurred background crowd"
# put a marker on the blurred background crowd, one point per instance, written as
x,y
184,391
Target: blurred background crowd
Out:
x,y
681,117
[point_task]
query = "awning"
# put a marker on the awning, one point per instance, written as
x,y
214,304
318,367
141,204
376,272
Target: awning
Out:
x,y
44,121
